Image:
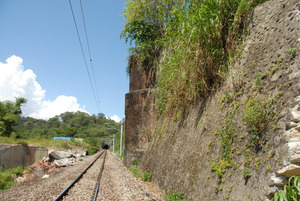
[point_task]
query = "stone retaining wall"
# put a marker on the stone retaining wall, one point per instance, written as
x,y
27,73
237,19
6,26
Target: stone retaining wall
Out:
x,y
139,111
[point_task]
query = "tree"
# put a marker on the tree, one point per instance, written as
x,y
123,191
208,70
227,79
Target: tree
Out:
x,y
145,24
10,114
100,116
81,119
68,124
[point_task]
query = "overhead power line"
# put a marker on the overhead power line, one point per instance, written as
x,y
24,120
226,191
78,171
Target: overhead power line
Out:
x,y
84,58
89,50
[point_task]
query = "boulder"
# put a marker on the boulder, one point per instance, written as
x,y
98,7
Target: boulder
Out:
x,y
295,158
278,181
20,180
64,162
292,134
54,156
294,151
83,154
297,128
295,114
290,170
290,125
57,155
65,154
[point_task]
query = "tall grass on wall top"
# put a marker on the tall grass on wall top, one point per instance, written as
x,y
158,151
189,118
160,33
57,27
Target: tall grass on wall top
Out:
x,y
144,27
193,53
192,40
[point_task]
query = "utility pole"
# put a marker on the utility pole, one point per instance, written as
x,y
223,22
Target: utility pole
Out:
x,y
114,143
121,139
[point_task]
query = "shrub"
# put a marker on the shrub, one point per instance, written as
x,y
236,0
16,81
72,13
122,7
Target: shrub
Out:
x,y
227,136
257,116
292,51
146,177
134,162
220,167
22,142
174,196
246,174
6,180
92,150
135,171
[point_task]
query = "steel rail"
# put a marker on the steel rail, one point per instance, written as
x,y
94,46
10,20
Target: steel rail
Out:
x,y
99,178
60,196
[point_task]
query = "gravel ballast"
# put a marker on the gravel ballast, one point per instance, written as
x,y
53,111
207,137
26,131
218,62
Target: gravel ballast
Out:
x,y
117,183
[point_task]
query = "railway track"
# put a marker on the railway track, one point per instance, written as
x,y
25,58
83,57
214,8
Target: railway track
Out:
x,y
86,185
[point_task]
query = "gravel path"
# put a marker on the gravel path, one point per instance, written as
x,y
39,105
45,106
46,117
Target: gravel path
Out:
x,y
117,184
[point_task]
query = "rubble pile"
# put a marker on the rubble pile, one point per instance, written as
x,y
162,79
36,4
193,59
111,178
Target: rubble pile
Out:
x,y
42,166
65,158
54,161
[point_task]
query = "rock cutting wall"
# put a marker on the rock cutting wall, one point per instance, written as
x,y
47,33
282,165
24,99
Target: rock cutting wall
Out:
x,y
181,156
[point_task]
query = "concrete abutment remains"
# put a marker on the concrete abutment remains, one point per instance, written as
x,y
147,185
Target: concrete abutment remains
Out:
x,y
12,156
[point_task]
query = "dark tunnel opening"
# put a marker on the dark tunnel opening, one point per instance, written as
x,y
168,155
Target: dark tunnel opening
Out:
x,y
105,146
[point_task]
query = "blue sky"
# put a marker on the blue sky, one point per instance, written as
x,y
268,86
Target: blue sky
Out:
x,y
43,34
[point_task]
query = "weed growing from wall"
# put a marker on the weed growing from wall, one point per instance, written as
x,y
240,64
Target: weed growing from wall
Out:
x,y
135,171
246,174
146,177
174,196
257,115
227,136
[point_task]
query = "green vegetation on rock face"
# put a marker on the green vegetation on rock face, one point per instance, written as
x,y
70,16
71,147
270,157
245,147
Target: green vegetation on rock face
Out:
x,y
188,42
174,196
227,136
257,116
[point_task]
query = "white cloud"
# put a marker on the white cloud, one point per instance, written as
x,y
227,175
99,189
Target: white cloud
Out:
x,y
17,82
115,118
60,105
